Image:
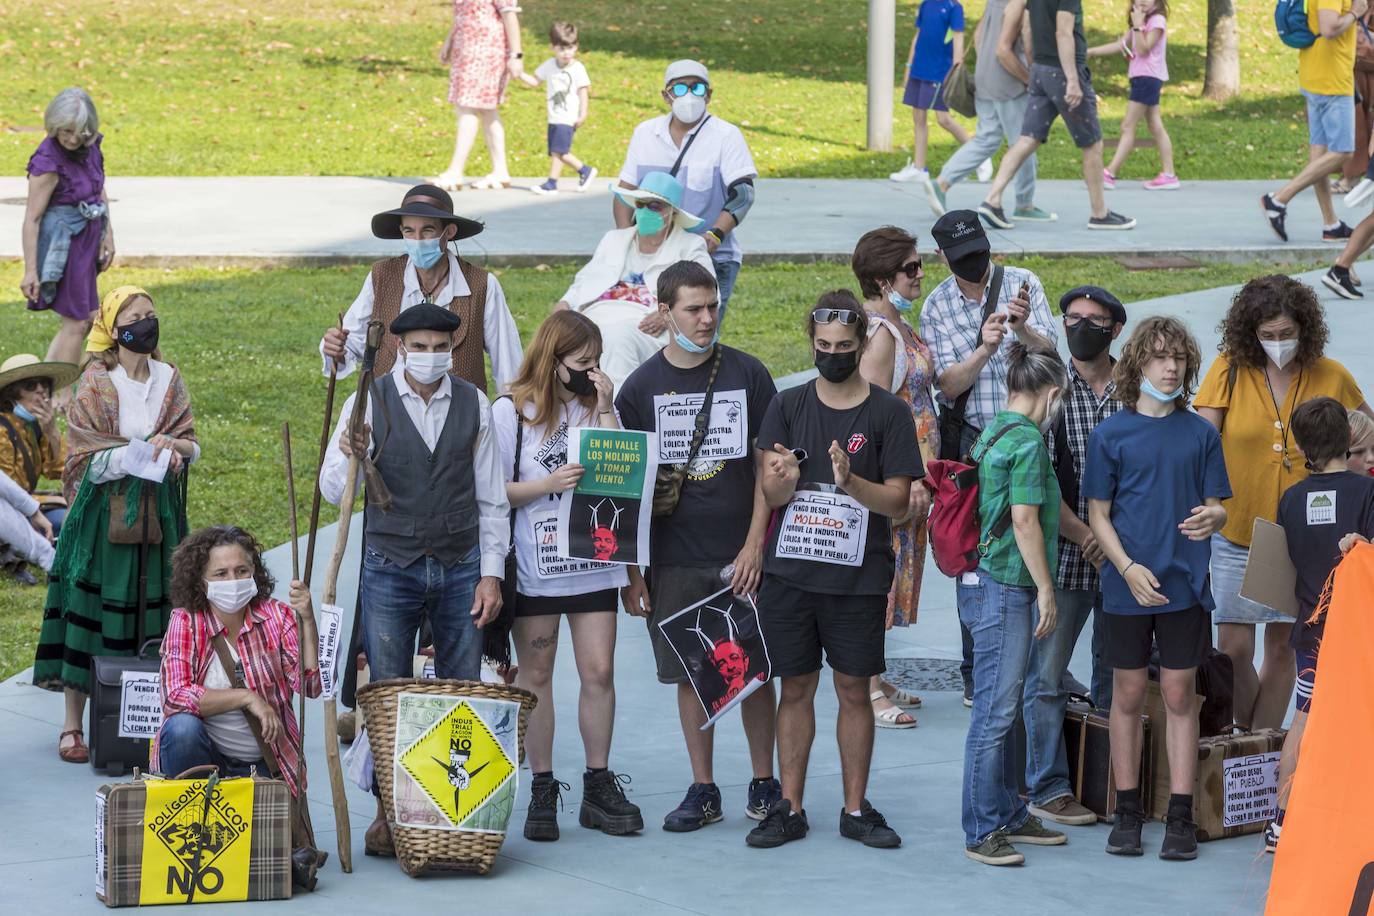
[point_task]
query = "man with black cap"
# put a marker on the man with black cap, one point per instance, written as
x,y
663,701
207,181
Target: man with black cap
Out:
x,y
1093,318
707,155
430,271
966,320
438,550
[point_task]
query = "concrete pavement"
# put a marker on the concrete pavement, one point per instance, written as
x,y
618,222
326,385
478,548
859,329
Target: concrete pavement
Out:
x,y
169,222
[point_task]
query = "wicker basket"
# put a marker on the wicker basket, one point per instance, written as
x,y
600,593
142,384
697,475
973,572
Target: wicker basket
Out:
x,y
420,850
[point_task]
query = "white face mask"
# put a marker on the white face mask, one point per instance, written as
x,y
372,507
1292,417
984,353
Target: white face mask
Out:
x,y
689,108
230,595
428,368
1280,352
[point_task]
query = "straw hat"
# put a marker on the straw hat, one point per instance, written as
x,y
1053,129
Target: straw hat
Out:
x,y
25,365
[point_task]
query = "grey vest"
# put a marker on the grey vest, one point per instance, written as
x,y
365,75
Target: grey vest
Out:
x,y
434,501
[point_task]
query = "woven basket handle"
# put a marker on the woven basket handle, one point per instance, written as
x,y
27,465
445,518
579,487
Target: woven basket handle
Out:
x,y
203,768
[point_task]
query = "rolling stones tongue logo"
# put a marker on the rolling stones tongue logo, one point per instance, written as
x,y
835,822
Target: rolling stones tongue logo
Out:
x,y
856,442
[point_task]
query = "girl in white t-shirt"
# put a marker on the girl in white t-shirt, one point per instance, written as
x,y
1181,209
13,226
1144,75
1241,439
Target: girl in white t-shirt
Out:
x,y
560,386
1144,46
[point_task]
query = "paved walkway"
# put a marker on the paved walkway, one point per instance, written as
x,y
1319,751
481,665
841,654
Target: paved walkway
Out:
x,y
179,221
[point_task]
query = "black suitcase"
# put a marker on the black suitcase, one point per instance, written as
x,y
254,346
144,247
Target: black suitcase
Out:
x,y
1088,744
110,753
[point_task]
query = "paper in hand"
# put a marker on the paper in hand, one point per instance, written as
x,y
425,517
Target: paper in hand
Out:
x,y
139,461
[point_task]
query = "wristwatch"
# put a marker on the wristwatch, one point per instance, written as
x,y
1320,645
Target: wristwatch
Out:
x,y
715,230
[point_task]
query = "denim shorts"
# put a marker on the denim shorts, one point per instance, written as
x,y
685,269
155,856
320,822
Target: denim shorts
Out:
x,y
1146,90
1331,121
1228,572
925,94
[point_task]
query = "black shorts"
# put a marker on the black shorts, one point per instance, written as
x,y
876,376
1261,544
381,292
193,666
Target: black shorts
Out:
x,y
798,624
589,603
672,588
1183,638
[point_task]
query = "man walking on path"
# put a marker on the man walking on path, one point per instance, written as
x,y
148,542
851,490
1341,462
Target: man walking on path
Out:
x,y
1326,75
1001,38
1060,86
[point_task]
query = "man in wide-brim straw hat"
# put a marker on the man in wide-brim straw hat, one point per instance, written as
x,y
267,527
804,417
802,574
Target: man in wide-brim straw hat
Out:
x,y
31,448
430,270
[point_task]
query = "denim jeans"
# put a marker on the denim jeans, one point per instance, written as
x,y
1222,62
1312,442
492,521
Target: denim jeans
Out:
x,y
967,438
395,598
184,743
1047,764
726,273
1001,619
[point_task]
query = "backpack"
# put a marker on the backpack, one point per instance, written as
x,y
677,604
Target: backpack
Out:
x,y
1290,18
954,523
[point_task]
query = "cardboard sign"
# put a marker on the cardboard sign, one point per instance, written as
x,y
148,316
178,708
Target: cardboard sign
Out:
x,y
548,563
1270,578
824,527
720,643
727,435
187,844
455,762
1251,786
330,628
606,516
140,704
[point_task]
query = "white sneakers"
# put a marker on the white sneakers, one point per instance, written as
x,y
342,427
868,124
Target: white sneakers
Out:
x,y
909,172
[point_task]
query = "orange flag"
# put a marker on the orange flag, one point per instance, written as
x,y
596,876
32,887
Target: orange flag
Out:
x,y
1325,861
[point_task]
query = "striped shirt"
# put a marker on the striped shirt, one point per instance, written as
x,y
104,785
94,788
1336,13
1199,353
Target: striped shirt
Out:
x,y
269,648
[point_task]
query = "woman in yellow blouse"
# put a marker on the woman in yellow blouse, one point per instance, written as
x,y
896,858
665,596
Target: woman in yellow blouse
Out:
x,y
1271,360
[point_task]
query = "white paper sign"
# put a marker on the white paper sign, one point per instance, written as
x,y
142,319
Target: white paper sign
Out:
x,y
548,563
139,461
100,844
1321,507
331,628
1251,786
824,528
727,437
140,704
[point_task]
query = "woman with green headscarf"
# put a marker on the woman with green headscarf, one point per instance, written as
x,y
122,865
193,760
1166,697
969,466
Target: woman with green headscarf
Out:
x,y
115,551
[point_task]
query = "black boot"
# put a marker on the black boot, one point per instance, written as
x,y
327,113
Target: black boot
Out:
x,y
541,823
605,807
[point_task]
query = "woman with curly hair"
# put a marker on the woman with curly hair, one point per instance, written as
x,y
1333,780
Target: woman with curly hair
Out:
x,y
231,661
1271,360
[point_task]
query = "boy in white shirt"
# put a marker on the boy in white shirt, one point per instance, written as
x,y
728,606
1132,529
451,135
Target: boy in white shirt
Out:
x,y
568,87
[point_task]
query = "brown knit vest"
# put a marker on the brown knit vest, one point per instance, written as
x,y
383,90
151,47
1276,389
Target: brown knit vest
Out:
x,y
388,286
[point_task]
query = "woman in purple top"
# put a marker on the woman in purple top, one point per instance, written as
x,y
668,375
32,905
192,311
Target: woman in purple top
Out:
x,y
67,238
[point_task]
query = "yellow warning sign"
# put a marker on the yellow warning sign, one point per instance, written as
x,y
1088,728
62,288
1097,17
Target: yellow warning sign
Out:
x,y
191,848
458,763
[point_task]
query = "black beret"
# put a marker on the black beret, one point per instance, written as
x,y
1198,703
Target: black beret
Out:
x,y
1094,294
425,317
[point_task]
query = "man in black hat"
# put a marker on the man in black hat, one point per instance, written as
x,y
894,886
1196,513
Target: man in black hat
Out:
x,y
1093,318
430,271
965,321
439,550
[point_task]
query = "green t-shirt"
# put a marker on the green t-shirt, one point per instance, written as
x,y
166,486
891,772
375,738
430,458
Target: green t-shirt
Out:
x,y
1015,471
1044,15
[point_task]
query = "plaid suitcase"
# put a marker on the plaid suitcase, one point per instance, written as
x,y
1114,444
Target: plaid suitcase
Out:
x,y
123,823
1237,783
1087,743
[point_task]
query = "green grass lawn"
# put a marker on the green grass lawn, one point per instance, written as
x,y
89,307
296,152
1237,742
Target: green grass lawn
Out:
x,y
246,341
354,87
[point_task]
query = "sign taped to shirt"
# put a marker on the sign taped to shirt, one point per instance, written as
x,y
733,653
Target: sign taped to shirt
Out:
x,y
727,436
823,525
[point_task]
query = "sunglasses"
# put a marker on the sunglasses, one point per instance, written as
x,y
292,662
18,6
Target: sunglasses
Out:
x,y
843,316
657,206
680,89
33,384
911,268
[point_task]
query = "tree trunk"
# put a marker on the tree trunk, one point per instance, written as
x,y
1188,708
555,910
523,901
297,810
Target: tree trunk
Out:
x,y
1222,80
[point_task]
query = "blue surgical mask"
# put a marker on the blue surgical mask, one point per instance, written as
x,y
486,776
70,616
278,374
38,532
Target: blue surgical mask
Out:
x,y
1147,388
899,302
648,222
691,347
22,413
424,252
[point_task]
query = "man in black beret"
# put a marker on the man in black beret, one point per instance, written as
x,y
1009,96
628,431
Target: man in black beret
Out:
x,y
1093,318
438,551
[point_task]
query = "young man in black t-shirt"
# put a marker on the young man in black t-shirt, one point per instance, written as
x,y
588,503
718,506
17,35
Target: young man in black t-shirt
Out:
x,y
720,519
1321,516
839,456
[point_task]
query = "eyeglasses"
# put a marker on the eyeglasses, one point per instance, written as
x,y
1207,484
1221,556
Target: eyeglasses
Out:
x,y
1101,322
33,384
843,316
657,206
911,269
681,89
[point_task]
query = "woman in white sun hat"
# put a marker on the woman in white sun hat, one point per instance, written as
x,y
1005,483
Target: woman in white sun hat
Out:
x,y
618,287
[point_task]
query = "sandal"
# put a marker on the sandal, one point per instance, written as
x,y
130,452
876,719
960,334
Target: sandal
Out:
x,y
78,752
490,183
450,181
902,698
892,717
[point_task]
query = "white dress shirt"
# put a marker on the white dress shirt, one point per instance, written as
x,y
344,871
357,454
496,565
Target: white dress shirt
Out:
x,y
140,405
499,337
429,417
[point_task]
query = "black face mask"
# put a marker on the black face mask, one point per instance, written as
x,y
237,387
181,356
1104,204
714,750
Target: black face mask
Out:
x,y
77,155
836,367
139,336
972,267
1086,342
579,381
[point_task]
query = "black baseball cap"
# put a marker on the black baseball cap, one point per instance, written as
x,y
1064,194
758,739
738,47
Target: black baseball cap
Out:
x,y
1094,294
959,233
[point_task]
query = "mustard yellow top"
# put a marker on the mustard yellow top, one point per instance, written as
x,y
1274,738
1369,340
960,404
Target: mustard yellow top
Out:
x,y
44,456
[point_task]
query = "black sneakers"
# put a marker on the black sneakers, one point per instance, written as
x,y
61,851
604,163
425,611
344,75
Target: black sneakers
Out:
x,y
1125,836
1339,234
995,217
763,793
1112,220
1276,213
541,823
1180,839
1338,280
869,828
700,807
605,807
781,825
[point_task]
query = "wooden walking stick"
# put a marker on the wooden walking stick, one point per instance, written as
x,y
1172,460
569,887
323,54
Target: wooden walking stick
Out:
x,y
331,580
319,463
302,802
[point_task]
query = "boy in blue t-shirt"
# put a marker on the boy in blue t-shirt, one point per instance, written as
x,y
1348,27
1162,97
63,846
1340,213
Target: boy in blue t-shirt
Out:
x,y
1154,479
938,41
